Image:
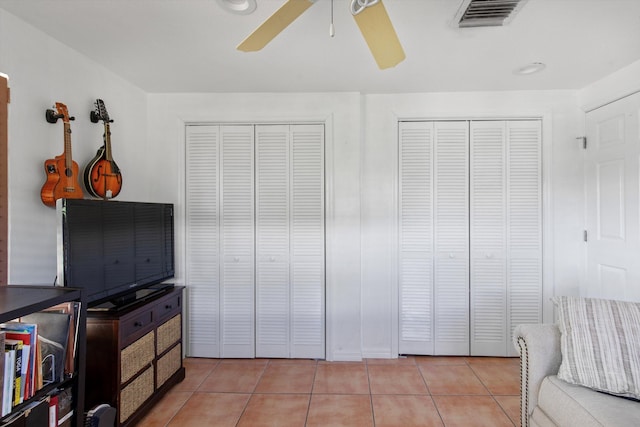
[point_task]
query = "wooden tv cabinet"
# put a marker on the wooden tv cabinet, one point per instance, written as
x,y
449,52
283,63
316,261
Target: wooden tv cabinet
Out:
x,y
134,355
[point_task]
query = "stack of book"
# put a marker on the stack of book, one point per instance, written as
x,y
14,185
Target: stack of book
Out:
x,y
38,351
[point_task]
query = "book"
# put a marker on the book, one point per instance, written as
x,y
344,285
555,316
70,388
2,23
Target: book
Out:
x,y
53,411
29,352
25,337
1,371
9,376
16,346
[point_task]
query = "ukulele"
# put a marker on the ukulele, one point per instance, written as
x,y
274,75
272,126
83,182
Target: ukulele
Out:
x,y
102,177
62,171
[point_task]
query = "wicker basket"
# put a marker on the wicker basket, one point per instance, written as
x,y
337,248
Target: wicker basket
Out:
x,y
135,394
169,333
136,356
169,365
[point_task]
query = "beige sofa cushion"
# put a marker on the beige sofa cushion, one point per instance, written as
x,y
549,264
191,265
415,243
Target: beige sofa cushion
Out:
x,y
600,344
572,405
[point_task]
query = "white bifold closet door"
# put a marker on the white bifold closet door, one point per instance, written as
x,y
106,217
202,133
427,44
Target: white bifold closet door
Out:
x,y
220,240
255,240
505,232
290,241
434,242
469,235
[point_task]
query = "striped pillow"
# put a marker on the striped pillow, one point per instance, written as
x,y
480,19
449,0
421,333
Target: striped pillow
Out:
x,y
600,344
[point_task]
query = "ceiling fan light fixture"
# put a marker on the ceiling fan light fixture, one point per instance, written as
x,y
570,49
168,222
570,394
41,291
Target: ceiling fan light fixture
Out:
x,y
358,6
534,67
239,7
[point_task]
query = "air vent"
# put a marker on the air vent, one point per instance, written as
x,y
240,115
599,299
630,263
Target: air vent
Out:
x,y
487,13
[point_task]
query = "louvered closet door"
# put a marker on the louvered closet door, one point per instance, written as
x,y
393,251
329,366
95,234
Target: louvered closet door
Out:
x,y
416,238
506,250
488,238
203,240
290,241
451,238
237,241
434,243
524,232
220,240
273,299
307,242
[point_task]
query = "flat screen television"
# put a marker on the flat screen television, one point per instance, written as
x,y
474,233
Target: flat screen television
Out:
x,y
113,249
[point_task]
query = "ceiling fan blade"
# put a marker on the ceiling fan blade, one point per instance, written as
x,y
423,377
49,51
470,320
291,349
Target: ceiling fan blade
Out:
x,y
378,32
277,22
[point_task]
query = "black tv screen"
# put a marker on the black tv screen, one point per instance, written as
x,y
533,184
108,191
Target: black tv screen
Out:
x,y
112,248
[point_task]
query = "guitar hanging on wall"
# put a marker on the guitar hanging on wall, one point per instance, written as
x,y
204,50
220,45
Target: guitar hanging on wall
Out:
x,y
62,171
102,177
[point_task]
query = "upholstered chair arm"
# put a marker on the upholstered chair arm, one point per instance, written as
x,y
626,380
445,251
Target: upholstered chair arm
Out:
x,y
539,347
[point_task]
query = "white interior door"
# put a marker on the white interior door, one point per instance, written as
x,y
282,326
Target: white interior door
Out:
x,y
290,241
506,232
612,189
273,219
470,235
416,295
307,242
237,241
203,240
434,238
488,237
255,240
451,237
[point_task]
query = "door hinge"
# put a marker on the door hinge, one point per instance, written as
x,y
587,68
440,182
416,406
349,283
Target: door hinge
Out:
x,y
584,235
584,141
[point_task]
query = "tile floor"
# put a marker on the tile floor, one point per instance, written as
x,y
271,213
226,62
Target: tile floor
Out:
x,y
411,391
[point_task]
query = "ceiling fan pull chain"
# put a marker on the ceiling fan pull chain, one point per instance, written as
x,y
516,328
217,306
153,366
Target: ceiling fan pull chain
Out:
x,y
358,6
332,30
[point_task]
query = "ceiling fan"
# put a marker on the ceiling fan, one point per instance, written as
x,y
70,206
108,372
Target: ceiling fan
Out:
x,y
370,15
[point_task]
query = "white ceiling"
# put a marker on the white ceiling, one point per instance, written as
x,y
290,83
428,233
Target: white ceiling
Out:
x,y
189,45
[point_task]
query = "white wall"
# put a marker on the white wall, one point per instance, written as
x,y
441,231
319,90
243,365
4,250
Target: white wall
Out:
x,y
41,72
167,116
614,86
148,144
562,193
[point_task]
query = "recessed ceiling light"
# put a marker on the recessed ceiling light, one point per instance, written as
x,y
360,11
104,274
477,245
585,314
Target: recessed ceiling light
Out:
x,y
534,67
241,7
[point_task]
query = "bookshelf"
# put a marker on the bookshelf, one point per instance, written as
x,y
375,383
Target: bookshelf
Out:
x,y
21,300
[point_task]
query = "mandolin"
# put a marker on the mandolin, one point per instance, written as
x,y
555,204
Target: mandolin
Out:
x,y
62,171
102,177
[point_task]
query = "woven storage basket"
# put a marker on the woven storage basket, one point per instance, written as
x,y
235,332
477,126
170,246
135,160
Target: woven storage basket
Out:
x,y
169,364
136,356
135,394
169,333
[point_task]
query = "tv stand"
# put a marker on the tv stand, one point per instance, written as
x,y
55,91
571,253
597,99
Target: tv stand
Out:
x,y
134,354
127,300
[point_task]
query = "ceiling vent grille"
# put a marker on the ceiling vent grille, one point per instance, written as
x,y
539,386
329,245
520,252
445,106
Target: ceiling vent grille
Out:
x,y
487,13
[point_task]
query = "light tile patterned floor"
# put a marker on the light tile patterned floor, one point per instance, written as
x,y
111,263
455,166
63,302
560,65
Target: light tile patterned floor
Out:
x,y
405,392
